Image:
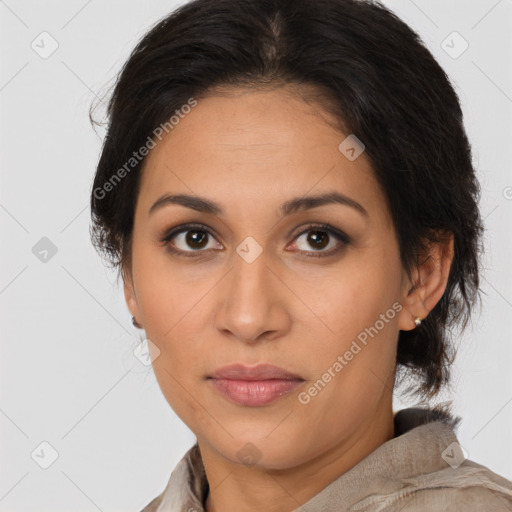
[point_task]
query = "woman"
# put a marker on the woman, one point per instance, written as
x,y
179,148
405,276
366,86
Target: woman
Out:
x,y
286,188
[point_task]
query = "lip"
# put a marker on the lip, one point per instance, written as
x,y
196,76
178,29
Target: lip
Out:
x,y
254,385
258,372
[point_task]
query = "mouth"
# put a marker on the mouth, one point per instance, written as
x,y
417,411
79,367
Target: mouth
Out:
x,y
256,392
254,386
254,373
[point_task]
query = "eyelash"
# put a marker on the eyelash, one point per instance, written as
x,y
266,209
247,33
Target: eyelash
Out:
x,y
199,227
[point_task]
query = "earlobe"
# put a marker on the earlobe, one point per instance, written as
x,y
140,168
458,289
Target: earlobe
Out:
x,y
130,297
430,280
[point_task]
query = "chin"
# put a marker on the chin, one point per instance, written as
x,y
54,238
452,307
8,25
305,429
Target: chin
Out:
x,y
262,451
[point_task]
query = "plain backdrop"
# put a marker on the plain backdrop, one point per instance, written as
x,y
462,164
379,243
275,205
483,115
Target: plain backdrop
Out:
x,y
69,378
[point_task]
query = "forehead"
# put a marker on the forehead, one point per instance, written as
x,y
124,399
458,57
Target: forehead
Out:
x,y
255,146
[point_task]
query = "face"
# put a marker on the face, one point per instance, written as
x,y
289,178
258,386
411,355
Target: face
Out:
x,y
256,280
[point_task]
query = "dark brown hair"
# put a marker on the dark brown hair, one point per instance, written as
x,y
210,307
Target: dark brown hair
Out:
x,y
371,72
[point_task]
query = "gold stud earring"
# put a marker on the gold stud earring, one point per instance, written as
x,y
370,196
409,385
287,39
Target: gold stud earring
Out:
x,y
417,321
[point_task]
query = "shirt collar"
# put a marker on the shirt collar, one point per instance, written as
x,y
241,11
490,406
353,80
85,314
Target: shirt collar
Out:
x,y
421,435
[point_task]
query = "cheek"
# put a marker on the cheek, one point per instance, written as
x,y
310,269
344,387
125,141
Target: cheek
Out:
x,y
167,292
359,309
356,295
354,370
172,311
180,391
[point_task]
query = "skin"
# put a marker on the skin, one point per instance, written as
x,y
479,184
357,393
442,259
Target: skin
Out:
x,y
250,151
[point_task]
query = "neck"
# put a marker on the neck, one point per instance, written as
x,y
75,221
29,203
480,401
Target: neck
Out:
x,y
248,489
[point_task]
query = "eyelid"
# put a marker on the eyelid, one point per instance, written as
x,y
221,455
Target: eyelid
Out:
x,y
328,228
321,226
168,234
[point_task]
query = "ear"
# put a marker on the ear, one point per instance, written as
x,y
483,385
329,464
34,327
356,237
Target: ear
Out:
x,y
129,293
428,282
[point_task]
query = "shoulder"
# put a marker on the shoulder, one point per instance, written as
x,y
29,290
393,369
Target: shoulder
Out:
x,y
186,488
469,487
153,505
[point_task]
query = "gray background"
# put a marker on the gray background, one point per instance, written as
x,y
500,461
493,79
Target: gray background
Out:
x,y
68,374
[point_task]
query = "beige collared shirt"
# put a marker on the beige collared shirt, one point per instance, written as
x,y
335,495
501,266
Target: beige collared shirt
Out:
x,y
421,469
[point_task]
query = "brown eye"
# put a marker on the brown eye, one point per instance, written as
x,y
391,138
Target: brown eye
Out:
x,y
320,237
188,240
196,239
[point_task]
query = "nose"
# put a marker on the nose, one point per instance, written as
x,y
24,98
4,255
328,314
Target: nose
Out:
x,y
251,301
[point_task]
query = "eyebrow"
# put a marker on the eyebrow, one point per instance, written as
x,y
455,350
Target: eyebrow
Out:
x,y
204,205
